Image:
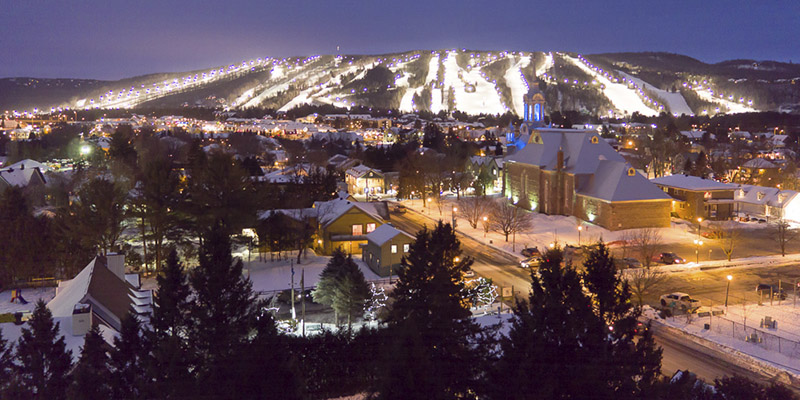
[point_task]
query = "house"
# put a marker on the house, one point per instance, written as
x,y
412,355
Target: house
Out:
x,y
345,223
767,203
23,176
490,168
364,180
758,171
386,246
575,172
695,197
100,295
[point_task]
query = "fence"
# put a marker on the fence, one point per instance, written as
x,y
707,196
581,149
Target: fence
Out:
x,y
758,336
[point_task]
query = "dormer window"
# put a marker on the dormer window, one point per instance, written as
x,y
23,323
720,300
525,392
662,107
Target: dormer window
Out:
x,y
760,195
781,197
741,193
595,140
631,171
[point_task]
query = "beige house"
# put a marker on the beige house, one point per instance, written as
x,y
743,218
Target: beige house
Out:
x,y
364,180
346,224
695,197
386,246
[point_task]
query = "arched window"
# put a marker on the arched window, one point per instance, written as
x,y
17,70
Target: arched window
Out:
x,y
537,112
595,140
631,171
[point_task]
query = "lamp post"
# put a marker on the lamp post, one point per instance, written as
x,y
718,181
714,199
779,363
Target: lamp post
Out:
x,y
580,228
485,226
453,215
697,244
727,290
699,226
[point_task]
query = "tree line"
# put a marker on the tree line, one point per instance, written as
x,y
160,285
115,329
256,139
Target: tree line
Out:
x,y
210,337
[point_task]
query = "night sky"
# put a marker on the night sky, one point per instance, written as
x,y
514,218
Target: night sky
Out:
x,y
112,39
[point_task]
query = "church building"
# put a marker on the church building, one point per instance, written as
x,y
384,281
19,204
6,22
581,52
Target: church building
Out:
x,y
575,172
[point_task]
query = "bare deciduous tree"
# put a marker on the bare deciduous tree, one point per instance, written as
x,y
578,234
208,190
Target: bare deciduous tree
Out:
x,y
729,232
784,233
509,219
643,280
645,243
473,209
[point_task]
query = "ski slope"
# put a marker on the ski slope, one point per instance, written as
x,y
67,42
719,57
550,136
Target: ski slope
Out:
x,y
548,63
516,81
675,101
483,100
707,94
623,98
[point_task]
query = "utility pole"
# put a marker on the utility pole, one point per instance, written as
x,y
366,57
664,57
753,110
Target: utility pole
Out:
x,y
294,313
303,298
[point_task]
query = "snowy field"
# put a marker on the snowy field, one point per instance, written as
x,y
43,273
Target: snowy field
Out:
x,y
516,81
277,275
624,99
775,348
675,101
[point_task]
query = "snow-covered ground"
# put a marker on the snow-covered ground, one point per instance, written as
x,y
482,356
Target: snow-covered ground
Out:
x,y
546,229
776,348
516,81
707,94
483,100
675,101
624,99
30,295
277,275
548,63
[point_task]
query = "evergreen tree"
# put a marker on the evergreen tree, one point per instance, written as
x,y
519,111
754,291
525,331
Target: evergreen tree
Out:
x,y
437,351
6,365
91,376
221,314
325,292
100,212
610,295
351,291
42,361
169,361
128,361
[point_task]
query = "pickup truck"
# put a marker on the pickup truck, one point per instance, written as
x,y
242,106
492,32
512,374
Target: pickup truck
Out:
x,y
680,301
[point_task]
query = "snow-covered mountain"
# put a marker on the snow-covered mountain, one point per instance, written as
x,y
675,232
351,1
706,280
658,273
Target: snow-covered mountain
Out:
x,y
473,82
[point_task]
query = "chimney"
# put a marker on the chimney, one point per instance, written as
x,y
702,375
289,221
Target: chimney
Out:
x,y
81,319
560,162
116,263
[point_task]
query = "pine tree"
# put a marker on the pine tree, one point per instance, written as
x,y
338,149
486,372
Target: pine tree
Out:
x,y
91,376
6,365
42,361
169,361
438,353
221,314
325,292
351,291
128,361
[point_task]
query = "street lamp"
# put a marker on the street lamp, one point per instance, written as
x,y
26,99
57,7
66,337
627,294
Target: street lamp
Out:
x,y
699,226
85,149
697,244
727,290
485,226
580,228
453,215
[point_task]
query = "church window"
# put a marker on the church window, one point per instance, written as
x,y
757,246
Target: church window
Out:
x,y
595,140
631,171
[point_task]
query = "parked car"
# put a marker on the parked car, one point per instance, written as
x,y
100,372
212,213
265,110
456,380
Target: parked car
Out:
x,y
530,252
640,328
530,262
670,258
629,262
680,300
765,290
400,209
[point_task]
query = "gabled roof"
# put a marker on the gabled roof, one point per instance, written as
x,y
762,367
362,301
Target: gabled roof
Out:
x,y
21,176
692,183
763,195
385,233
612,182
581,156
330,211
361,170
759,163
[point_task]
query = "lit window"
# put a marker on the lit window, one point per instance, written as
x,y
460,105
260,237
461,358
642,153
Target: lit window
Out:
x,y
394,249
406,247
357,230
370,227
631,171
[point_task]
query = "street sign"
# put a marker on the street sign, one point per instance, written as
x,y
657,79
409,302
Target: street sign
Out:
x,y
507,291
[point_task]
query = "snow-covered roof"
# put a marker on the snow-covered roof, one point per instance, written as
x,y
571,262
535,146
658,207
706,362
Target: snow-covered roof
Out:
x,y
696,135
361,170
28,163
689,182
582,152
759,163
763,195
385,233
613,182
330,211
20,176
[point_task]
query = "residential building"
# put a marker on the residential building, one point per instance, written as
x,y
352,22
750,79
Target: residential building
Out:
x,y
767,203
385,248
695,197
363,180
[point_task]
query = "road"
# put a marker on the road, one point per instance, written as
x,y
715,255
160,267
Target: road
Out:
x,y
679,353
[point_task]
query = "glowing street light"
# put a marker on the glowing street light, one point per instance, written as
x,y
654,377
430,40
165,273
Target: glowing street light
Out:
x,y
485,225
85,150
697,244
727,290
580,228
453,216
